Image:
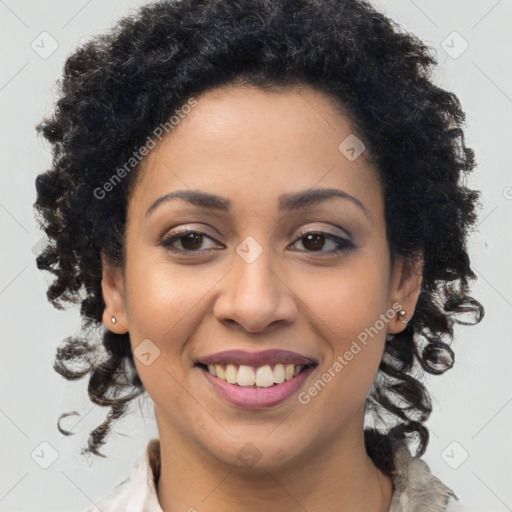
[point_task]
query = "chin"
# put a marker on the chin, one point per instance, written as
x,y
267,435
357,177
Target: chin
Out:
x,y
258,452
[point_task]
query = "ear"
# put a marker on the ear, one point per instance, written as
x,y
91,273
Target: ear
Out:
x,y
113,289
407,276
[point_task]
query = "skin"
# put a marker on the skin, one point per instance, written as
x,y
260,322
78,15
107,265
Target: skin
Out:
x,y
250,146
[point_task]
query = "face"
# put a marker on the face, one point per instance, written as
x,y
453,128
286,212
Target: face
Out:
x,y
276,273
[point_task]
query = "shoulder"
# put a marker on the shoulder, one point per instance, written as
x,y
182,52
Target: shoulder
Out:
x,y
458,506
117,499
416,489
138,492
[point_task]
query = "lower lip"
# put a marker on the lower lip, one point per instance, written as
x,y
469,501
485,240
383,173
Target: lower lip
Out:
x,y
257,397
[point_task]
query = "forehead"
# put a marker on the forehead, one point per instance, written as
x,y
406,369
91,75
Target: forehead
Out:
x,y
245,142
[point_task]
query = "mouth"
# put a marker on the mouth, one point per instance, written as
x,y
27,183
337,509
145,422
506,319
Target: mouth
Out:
x,y
254,377
256,369
261,379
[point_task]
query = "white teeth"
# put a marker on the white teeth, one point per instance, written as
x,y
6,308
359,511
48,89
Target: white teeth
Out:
x,y
278,373
264,376
231,373
245,376
219,370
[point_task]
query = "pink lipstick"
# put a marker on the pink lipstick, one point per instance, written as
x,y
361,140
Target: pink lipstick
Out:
x,y
256,379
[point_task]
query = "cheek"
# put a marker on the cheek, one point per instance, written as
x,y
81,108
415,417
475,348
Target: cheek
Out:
x,y
346,307
162,297
164,304
349,300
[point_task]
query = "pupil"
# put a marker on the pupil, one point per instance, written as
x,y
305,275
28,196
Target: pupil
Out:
x,y
312,238
191,237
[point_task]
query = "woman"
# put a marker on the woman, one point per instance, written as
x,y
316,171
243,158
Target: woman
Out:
x,y
262,202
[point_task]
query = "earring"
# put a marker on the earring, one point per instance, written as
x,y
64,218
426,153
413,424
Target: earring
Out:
x,y
401,316
114,319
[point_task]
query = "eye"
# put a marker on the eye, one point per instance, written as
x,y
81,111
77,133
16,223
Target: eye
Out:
x,y
316,241
190,241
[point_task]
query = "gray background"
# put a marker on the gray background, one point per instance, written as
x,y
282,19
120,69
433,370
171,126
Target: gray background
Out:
x,y
473,409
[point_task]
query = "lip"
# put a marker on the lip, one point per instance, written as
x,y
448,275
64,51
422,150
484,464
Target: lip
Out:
x,y
257,398
272,356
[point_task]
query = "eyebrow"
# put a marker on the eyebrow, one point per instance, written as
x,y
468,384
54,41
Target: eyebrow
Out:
x,y
296,201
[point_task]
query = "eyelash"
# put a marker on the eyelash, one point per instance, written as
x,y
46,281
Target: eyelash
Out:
x,y
342,244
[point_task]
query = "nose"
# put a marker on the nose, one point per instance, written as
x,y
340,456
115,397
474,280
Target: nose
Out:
x,y
254,295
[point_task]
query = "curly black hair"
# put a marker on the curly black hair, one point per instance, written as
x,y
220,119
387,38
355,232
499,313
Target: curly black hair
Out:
x,y
120,86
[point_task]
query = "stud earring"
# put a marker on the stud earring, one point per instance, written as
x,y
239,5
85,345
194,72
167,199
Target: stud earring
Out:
x,y
401,316
114,319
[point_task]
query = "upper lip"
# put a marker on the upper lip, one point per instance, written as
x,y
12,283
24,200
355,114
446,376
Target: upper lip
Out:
x,y
241,357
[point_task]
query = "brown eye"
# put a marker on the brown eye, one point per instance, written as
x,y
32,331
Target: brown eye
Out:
x,y
313,242
188,242
191,241
323,243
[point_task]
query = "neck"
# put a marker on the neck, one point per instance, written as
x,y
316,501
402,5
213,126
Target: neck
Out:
x,y
340,478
